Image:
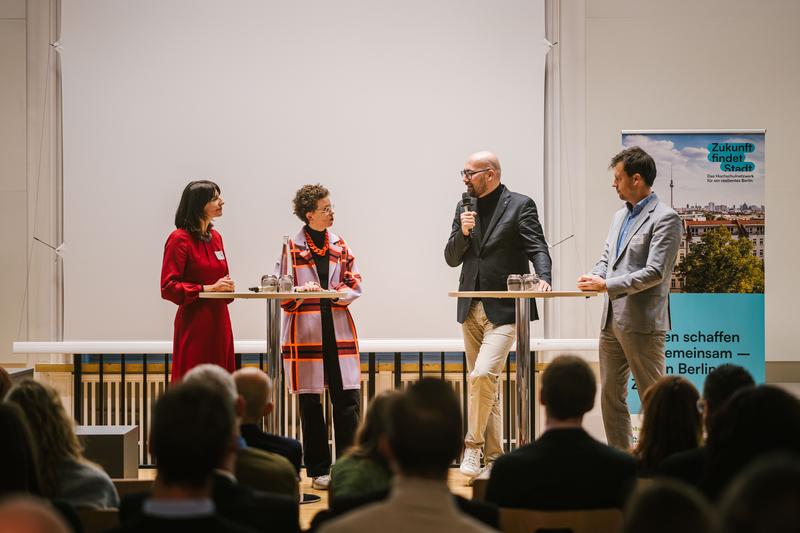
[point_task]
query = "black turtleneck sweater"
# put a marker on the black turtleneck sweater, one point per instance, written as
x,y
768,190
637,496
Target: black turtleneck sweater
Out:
x,y
486,207
322,263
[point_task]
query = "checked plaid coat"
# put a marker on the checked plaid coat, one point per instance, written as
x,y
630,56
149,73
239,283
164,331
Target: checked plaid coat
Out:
x,y
302,322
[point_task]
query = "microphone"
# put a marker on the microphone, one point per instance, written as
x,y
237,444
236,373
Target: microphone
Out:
x,y
469,203
562,240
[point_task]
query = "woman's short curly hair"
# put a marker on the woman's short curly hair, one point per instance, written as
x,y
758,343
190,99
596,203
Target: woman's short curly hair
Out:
x,y
306,198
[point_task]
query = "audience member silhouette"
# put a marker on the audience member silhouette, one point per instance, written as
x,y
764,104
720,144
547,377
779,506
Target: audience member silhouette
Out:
x,y
672,423
65,474
364,469
257,388
565,468
668,506
755,422
720,384
423,438
765,498
254,468
192,430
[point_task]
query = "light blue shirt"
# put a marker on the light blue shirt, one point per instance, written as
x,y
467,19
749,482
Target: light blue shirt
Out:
x,y
633,212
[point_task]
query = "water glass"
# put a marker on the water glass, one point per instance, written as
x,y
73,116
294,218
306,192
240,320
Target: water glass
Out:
x,y
286,283
514,282
530,282
269,283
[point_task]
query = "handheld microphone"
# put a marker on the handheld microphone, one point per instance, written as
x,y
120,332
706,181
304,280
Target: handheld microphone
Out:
x,y
468,203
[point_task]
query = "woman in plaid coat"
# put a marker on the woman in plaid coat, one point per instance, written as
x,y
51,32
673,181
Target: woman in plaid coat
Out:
x,y
320,344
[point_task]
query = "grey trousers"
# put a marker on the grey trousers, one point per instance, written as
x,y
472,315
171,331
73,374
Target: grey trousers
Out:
x,y
623,353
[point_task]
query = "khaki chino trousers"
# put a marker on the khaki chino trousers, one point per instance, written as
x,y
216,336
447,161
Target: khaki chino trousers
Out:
x,y
487,347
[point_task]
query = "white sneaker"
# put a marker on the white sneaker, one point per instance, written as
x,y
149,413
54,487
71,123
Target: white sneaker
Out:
x,y
471,463
321,482
486,473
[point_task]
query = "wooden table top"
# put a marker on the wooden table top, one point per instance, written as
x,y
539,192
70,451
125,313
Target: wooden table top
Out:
x,y
272,295
522,294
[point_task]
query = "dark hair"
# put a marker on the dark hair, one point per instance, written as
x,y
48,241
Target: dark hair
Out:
x,y
722,382
636,161
191,209
425,428
754,422
19,454
373,427
192,428
667,505
306,198
671,422
764,499
568,387
52,429
5,382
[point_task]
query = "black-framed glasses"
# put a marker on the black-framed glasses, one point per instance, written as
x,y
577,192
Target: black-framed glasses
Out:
x,y
469,174
701,406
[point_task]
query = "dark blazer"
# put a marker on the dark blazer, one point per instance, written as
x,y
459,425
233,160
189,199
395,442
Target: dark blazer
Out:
x,y
289,448
235,502
565,469
204,524
688,466
510,239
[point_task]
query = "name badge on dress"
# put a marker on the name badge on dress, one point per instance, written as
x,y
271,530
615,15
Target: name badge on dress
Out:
x,y
220,255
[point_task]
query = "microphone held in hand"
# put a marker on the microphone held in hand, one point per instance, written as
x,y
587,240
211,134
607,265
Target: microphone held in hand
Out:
x,y
469,203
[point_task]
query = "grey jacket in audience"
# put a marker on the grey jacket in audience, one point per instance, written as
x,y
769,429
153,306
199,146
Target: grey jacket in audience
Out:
x,y
82,484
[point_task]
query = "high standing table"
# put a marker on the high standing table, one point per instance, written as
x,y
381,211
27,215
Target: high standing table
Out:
x,y
274,337
526,419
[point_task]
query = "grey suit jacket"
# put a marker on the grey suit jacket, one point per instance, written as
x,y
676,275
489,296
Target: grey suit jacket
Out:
x,y
638,275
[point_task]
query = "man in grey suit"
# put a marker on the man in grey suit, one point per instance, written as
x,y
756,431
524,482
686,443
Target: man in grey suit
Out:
x,y
635,271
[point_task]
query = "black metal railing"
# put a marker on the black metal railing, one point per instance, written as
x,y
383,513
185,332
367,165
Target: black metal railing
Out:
x,y
126,406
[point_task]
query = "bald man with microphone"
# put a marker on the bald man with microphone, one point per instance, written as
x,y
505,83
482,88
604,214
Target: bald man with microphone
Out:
x,y
496,238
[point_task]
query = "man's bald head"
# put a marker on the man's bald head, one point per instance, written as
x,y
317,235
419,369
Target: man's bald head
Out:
x,y
256,388
24,514
481,173
485,159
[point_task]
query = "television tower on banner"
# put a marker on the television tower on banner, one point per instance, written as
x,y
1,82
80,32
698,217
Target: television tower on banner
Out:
x,y
671,188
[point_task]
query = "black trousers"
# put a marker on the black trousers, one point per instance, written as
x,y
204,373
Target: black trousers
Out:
x,y
346,411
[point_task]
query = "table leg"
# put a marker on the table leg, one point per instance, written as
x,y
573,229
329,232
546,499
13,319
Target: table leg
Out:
x,y
274,364
524,413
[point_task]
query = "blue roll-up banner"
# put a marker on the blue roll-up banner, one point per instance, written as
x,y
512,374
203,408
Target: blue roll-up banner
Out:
x,y
715,182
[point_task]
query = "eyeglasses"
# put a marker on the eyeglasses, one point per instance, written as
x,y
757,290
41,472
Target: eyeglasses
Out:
x,y
328,210
701,406
469,174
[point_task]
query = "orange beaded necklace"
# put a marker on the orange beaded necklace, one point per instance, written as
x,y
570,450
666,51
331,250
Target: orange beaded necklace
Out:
x,y
313,247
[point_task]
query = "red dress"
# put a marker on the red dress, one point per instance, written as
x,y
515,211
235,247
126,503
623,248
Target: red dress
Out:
x,y
202,327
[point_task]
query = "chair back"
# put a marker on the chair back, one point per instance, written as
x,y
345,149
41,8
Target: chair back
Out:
x,y
132,486
580,521
98,520
479,489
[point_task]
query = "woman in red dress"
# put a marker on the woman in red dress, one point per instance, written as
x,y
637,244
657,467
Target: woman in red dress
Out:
x,y
195,262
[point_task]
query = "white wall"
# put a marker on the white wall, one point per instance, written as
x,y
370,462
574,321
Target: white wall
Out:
x,y
598,42
27,175
380,101
13,182
682,65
